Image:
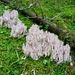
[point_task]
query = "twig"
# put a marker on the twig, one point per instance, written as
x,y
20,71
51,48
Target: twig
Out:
x,y
56,16
35,11
41,10
33,8
31,5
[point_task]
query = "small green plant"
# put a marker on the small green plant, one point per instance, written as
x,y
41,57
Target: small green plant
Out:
x,y
46,27
45,62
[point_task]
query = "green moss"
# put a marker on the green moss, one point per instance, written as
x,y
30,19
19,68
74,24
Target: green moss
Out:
x,y
11,48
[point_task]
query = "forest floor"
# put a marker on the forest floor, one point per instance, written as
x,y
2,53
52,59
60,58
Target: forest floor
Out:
x,y
11,54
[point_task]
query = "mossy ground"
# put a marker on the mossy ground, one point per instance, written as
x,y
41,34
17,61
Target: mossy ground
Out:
x,y
11,53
